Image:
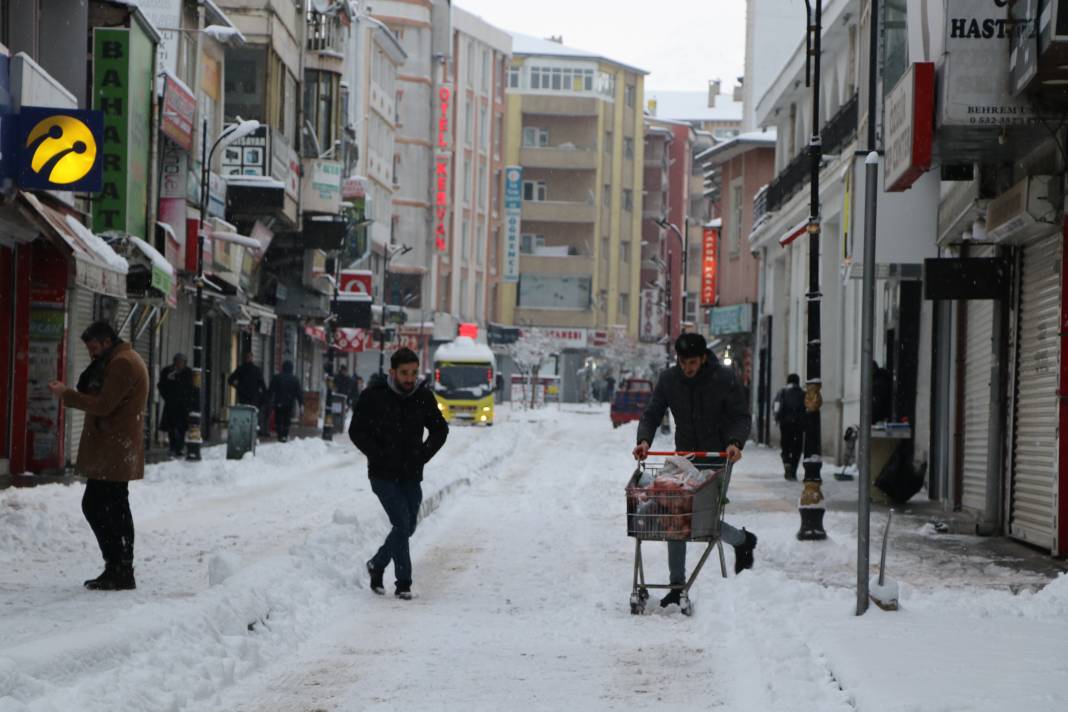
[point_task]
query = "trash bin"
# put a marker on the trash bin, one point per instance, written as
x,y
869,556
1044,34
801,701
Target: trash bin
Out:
x,y
243,429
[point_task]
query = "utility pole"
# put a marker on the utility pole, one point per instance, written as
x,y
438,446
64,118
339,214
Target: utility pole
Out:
x,y
810,505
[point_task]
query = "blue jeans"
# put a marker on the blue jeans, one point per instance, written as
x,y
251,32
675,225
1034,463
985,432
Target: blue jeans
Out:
x,y
401,501
677,552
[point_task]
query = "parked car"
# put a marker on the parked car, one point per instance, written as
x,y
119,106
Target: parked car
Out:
x,y
630,400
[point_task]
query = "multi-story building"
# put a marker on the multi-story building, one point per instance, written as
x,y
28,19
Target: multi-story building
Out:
x,y
467,260
714,111
575,127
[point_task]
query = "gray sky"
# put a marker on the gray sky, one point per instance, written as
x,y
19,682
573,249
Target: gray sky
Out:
x,y
681,43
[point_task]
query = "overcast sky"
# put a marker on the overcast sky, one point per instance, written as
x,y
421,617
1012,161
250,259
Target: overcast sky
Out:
x,y
681,43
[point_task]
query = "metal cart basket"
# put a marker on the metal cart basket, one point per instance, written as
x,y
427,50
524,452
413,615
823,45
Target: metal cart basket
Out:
x,y
676,514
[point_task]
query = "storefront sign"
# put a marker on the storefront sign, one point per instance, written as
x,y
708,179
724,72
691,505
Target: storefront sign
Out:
x,y
179,112
122,89
354,188
59,149
651,316
974,84
442,163
356,281
513,221
709,265
247,156
285,164
321,186
909,127
564,338
737,319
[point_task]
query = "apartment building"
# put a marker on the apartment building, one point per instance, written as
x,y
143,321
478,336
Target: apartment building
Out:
x,y
575,130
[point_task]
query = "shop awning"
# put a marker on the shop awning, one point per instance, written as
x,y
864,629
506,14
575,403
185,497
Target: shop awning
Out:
x,y
158,273
97,267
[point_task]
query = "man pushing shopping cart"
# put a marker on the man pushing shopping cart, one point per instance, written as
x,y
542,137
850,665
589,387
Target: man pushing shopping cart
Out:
x,y
711,415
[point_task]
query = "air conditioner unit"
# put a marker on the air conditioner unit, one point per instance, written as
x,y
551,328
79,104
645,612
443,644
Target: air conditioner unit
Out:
x,y
1025,210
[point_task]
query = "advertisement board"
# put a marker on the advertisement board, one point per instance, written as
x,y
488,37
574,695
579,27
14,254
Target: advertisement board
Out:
x,y
513,222
709,265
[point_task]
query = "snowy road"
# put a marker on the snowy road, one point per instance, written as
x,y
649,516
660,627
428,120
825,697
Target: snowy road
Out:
x,y
252,596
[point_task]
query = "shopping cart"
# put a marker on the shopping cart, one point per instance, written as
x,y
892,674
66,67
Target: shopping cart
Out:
x,y
690,515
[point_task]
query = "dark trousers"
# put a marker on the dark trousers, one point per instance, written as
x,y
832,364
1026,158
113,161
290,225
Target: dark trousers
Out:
x,y
401,501
793,435
106,506
176,439
282,416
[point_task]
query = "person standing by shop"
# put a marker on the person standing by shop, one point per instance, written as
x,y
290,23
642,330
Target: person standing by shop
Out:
x,y
285,394
387,427
343,384
247,379
179,398
111,452
789,410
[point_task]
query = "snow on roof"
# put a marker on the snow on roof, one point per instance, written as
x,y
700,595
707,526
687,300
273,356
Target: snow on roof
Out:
x,y
530,45
735,145
101,249
693,106
153,254
464,348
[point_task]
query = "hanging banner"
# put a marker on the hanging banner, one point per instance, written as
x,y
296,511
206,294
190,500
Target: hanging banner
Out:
x,y
651,317
709,265
513,221
179,112
442,167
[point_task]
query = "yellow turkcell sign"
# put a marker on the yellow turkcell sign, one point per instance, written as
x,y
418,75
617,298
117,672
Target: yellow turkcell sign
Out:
x,y
65,148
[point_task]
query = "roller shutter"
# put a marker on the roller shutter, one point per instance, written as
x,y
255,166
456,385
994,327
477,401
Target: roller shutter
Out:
x,y
1034,455
82,303
977,365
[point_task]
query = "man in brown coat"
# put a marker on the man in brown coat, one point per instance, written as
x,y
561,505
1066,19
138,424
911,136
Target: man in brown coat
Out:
x,y
111,453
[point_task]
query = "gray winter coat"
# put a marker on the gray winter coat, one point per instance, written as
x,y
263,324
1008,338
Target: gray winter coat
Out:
x,y
711,410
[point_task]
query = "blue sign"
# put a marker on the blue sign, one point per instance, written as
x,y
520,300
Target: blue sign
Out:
x,y
58,149
737,319
513,187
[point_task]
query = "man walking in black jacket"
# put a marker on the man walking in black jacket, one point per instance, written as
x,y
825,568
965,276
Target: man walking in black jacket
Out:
x,y
284,394
247,379
387,426
711,415
789,409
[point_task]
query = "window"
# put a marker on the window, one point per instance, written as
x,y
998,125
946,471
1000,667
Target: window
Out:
x,y
628,148
606,196
470,58
534,190
497,133
481,185
737,199
485,70
629,94
624,307
534,137
480,244
513,78
608,142
624,252
469,122
482,128
550,291
628,199
398,98
319,105
246,78
467,181
464,237
529,243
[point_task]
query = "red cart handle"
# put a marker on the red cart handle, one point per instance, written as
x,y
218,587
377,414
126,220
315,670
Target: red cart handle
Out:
x,y
685,453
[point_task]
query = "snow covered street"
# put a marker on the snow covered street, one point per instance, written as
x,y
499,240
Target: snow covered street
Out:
x,y
252,595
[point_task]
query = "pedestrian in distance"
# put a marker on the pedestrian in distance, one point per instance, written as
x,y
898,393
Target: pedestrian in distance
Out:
x,y
179,399
247,380
357,389
111,452
343,384
711,414
284,395
789,411
387,426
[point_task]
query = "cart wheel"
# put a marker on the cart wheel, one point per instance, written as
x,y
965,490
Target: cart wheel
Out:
x,y
686,606
637,602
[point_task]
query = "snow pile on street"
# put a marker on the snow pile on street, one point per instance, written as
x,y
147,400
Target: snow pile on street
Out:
x,y
252,594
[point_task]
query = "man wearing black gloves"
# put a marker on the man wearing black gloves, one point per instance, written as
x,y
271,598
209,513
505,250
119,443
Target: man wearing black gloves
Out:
x,y
711,415
387,426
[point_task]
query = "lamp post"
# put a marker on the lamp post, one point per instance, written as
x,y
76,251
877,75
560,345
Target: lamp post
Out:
x,y
684,241
810,506
196,418
331,337
391,252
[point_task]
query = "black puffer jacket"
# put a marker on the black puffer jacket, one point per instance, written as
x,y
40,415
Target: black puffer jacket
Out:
x,y
711,410
388,428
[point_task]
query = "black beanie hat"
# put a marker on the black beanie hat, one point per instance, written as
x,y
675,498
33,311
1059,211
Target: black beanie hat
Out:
x,y
690,345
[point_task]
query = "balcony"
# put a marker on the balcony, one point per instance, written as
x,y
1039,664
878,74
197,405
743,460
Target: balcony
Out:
x,y
559,157
567,264
325,34
556,105
559,211
835,136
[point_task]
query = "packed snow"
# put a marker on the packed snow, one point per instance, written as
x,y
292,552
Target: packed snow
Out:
x,y
252,594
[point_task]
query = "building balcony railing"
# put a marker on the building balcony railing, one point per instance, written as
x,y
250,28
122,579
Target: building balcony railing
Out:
x,y
559,211
559,157
835,135
325,33
552,264
760,205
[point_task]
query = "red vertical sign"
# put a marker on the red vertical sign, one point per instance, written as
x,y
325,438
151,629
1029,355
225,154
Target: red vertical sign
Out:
x,y
709,262
442,161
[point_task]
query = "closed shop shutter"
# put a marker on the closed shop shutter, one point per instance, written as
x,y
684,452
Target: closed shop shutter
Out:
x,y
81,316
977,362
1034,455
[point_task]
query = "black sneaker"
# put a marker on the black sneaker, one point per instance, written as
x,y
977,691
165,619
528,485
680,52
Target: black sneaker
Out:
x,y
92,583
376,579
403,592
120,578
672,599
743,553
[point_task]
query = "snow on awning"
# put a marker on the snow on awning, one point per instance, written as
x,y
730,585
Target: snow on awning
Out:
x,y
255,182
793,233
236,238
395,268
96,266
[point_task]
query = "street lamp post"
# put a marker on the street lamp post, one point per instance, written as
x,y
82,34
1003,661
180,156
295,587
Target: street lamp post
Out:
x,y
684,241
810,505
196,418
391,252
331,337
